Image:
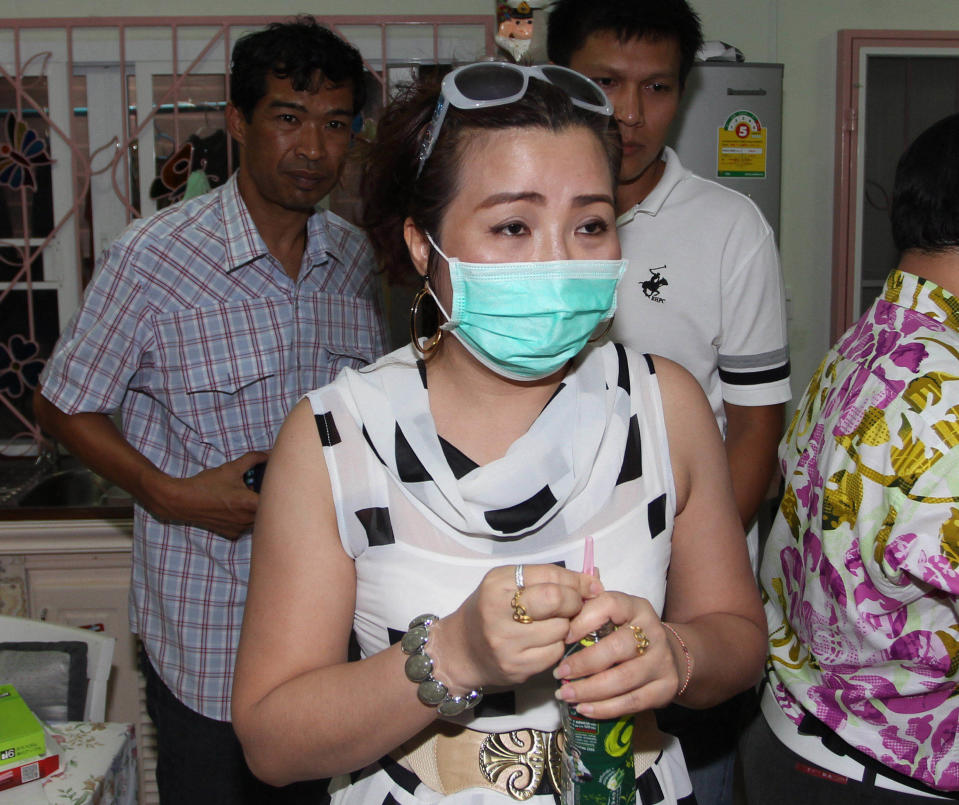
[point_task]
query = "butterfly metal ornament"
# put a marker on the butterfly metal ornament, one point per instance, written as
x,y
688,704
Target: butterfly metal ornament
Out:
x,y
23,151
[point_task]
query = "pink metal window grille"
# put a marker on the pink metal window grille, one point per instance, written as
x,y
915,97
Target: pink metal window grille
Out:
x,y
103,119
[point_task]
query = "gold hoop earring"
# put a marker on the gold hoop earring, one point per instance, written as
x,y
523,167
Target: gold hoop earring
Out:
x,y
609,325
433,342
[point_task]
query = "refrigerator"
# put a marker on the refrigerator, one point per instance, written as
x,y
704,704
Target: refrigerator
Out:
x,y
729,129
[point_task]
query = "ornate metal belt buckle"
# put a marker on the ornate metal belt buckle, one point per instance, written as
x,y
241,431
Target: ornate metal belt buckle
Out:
x,y
525,757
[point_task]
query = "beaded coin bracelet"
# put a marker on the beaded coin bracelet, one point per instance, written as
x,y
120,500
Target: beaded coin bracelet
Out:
x,y
419,669
689,659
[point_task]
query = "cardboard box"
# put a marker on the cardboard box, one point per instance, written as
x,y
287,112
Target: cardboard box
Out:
x,y
21,733
26,771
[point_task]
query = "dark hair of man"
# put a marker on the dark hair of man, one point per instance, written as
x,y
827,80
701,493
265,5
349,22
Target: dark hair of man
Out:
x,y
571,22
299,50
925,196
391,192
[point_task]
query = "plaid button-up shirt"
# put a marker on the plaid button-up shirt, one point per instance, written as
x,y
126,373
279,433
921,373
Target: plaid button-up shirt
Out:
x,y
196,334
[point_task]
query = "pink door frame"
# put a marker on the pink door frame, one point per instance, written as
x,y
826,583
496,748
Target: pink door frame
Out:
x,y
848,85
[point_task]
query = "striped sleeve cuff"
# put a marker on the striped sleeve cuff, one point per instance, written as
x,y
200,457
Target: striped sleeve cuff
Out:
x,y
756,379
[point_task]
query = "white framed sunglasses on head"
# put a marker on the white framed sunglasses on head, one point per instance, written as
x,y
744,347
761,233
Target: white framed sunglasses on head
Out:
x,y
476,86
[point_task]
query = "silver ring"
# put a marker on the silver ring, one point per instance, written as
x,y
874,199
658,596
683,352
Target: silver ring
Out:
x,y
519,577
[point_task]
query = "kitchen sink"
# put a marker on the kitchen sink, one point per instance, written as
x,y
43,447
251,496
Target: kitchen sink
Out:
x,y
70,488
68,485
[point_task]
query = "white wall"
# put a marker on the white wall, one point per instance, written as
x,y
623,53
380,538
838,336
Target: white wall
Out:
x,y
800,35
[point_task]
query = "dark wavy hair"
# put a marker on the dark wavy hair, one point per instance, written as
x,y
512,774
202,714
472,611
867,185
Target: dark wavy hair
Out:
x,y
571,22
391,193
925,196
296,50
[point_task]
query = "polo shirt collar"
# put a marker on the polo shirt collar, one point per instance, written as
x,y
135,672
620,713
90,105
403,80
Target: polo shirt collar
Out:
x,y
653,203
244,244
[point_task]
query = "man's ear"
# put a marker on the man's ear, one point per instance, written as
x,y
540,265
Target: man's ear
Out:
x,y
418,245
236,123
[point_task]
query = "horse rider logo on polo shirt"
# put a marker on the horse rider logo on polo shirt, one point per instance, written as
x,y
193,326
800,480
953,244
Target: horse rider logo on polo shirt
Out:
x,y
654,283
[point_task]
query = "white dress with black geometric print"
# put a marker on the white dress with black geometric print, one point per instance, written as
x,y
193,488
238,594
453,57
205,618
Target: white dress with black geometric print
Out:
x,y
424,523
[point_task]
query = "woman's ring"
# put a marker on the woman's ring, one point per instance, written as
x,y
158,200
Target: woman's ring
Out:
x,y
519,577
520,615
639,636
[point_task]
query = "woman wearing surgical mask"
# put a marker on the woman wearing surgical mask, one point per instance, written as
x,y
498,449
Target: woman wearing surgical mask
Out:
x,y
441,503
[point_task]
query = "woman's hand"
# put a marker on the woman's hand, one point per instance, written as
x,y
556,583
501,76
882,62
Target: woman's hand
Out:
x,y
618,675
482,645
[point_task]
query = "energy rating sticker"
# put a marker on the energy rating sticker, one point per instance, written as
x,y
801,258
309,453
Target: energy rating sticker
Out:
x,y
741,148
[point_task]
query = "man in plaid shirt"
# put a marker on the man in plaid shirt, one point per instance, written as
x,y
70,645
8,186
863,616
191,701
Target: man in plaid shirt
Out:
x,y
202,326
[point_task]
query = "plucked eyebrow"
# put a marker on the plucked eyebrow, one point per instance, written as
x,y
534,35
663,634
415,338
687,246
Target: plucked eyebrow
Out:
x,y
538,198
596,198
507,198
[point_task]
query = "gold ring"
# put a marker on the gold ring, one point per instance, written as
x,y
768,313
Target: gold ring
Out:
x,y
520,615
642,642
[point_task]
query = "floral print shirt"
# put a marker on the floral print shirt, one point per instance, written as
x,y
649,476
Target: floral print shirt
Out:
x,y
861,570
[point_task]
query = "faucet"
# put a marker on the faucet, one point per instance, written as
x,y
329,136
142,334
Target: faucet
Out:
x,y
48,455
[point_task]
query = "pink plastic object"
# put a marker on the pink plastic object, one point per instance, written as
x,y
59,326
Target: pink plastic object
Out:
x,y
588,566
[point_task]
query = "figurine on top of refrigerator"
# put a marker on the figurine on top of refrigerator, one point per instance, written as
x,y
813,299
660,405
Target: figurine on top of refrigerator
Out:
x,y
514,27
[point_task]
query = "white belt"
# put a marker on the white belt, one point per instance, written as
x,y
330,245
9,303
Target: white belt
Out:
x,y
811,748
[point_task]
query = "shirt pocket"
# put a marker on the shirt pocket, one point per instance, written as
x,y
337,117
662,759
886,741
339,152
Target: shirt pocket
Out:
x,y
220,372
347,333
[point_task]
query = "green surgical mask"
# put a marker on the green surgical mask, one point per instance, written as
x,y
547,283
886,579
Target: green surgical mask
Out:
x,y
524,321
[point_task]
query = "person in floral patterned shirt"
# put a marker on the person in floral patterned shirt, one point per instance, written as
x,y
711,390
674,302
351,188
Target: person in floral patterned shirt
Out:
x,y
861,569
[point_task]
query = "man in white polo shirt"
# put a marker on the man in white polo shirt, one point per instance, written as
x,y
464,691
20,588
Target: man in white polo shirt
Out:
x,y
703,286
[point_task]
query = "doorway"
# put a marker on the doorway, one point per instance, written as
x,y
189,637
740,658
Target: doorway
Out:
x,y
892,85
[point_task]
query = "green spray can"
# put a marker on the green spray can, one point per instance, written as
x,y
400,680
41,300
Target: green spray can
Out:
x,y
598,764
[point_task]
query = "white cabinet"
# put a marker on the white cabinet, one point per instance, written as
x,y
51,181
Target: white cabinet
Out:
x,y
91,591
77,572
